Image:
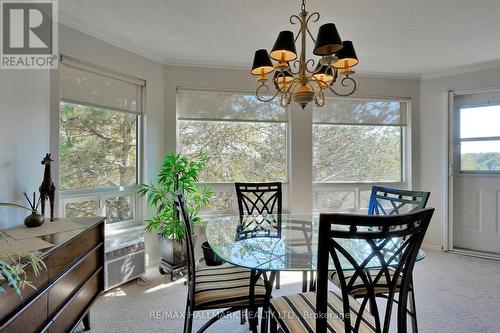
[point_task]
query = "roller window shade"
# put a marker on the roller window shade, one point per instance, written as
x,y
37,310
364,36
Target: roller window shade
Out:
x,y
477,99
218,105
81,84
352,111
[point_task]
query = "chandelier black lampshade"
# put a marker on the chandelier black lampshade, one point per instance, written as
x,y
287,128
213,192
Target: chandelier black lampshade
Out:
x,y
328,40
261,63
284,47
324,75
282,80
347,57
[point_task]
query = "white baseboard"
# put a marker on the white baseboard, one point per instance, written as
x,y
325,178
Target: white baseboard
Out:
x,y
430,246
153,263
476,254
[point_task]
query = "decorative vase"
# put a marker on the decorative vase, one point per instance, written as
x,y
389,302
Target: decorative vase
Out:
x,y
34,220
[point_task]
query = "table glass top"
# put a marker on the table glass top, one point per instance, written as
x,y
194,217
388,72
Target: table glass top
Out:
x,y
280,243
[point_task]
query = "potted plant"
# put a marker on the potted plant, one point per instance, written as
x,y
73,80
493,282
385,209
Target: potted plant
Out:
x,y
12,273
177,173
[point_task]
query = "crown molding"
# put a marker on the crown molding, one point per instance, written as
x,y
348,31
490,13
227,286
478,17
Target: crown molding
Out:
x,y
383,75
484,66
365,74
77,24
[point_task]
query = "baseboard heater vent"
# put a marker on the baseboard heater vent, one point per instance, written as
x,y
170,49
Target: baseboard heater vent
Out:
x,y
125,259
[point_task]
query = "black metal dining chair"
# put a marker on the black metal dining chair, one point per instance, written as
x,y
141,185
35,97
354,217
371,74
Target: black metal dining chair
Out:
x,y
260,199
225,287
326,310
391,201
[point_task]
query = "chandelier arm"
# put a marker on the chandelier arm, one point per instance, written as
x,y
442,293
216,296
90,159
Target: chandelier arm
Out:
x,y
335,74
354,86
286,87
315,19
295,65
312,64
321,101
293,85
285,99
319,82
258,93
295,19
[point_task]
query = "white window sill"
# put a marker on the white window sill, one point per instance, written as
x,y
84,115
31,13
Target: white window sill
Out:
x,y
125,228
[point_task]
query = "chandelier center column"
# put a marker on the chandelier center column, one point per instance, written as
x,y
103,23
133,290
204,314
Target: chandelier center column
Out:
x,y
303,27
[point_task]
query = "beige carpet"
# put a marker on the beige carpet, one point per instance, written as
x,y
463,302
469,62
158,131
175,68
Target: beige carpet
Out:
x,y
454,294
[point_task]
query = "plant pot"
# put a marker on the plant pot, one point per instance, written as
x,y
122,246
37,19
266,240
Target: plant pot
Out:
x,y
211,258
34,220
173,252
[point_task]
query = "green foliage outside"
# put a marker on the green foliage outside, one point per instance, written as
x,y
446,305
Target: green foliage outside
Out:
x,y
177,173
255,152
98,149
356,153
481,161
242,138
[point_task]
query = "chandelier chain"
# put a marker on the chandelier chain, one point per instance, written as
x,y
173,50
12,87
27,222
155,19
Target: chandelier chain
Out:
x,y
303,6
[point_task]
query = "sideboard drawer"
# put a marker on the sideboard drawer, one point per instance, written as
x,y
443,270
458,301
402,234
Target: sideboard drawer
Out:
x,y
31,319
61,258
65,287
65,319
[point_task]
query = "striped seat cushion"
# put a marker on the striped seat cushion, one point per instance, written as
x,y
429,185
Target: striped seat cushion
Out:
x,y
359,288
225,286
297,313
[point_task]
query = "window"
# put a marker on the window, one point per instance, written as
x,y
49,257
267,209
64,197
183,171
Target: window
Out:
x,y
242,138
99,140
356,142
480,138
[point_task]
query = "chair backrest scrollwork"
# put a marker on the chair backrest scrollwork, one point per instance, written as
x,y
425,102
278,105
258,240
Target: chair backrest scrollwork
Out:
x,y
374,232
259,198
391,201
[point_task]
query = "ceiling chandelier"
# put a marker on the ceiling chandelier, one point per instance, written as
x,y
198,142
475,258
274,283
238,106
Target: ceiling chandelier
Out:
x,y
299,79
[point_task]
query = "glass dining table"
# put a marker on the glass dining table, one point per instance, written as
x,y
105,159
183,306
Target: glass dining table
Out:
x,y
271,243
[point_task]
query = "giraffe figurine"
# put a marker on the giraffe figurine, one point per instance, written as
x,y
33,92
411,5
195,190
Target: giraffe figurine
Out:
x,y
47,188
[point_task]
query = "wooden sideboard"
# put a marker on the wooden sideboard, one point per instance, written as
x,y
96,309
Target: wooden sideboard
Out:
x,y
66,290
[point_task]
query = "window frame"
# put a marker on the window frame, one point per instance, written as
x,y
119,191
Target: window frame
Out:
x,y
360,186
229,186
101,194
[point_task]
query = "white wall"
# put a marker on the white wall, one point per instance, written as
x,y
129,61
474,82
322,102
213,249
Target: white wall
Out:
x,y
433,137
24,137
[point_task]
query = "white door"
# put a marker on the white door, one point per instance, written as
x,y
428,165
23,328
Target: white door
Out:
x,y
476,172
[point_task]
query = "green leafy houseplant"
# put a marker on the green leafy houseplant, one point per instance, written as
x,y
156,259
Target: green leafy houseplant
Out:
x,y
12,266
177,173
13,273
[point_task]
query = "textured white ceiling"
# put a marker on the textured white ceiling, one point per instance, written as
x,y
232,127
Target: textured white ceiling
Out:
x,y
402,37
